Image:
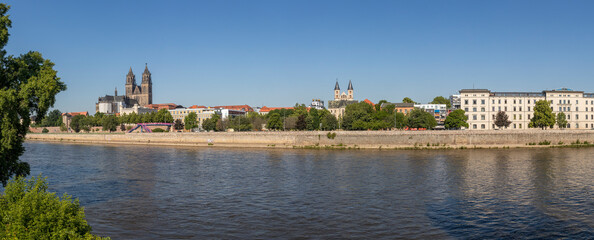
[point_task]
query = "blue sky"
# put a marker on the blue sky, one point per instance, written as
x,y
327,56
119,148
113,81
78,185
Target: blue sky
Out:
x,y
278,53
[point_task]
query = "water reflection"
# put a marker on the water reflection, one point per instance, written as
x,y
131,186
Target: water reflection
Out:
x,y
176,193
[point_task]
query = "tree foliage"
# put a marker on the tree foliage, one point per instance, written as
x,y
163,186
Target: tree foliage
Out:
x,y
29,211
407,100
274,121
191,121
418,118
210,124
28,87
109,123
363,116
543,116
456,120
441,100
501,120
561,120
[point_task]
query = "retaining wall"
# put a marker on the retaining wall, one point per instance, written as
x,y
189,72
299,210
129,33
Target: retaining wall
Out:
x,y
354,139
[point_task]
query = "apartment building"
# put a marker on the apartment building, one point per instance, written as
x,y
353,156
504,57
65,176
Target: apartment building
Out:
x,y
481,107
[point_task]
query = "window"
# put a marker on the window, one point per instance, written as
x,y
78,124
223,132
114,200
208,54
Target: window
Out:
x,y
499,101
493,109
474,117
576,109
568,116
520,116
466,109
473,126
493,126
520,101
493,101
482,109
577,125
514,109
466,101
520,109
528,109
577,101
520,125
482,126
483,101
577,117
493,116
514,101
528,116
474,101
474,109
505,101
560,109
482,117
528,101
586,117
505,109
499,108
514,125
560,101
514,116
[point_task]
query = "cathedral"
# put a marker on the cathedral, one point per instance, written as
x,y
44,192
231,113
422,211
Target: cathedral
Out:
x,y
341,100
135,95
143,94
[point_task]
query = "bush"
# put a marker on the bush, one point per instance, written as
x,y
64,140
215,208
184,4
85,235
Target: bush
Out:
x,y
331,135
157,130
30,212
545,142
44,130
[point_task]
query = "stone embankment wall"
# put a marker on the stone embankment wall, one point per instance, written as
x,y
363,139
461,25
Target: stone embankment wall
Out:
x,y
342,139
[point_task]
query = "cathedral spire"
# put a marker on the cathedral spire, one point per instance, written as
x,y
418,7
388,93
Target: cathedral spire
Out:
x,y
146,71
350,85
116,91
130,72
336,87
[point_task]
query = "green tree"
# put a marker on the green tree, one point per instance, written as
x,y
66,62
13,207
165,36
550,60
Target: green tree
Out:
x,y
210,124
561,120
407,100
28,86
441,100
163,116
256,120
357,116
456,120
501,120
191,121
29,211
274,121
313,119
378,106
77,123
399,120
543,116
328,121
109,123
417,118
53,119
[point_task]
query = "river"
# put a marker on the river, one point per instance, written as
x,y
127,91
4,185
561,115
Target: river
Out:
x,y
148,192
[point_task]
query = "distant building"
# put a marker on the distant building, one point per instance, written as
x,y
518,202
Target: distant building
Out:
x,y
481,107
67,117
245,108
341,100
439,111
136,109
168,106
404,108
317,104
203,114
455,101
141,95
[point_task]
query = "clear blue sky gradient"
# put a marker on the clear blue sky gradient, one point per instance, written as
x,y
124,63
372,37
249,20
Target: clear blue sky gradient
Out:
x,y
278,53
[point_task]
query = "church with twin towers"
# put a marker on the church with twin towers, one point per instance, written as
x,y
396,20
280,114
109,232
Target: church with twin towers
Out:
x,y
140,95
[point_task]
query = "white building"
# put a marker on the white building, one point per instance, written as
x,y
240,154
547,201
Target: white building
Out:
x,y
204,113
135,109
482,105
317,104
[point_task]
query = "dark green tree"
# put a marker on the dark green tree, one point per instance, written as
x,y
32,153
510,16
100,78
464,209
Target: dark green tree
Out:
x,y
275,122
53,119
301,124
399,120
28,86
328,121
543,116
357,116
178,124
502,120
162,116
210,124
191,121
77,123
407,100
456,120
109,123
441,100
378,106
418,118
313,120
561,120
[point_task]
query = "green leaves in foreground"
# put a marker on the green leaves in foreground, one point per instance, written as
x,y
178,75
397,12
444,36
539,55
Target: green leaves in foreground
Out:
x,y
28,211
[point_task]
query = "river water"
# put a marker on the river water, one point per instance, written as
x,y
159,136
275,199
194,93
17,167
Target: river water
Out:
x,y
148,192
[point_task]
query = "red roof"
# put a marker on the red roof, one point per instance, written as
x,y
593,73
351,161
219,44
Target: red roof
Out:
x,y
196,106
246,108
76,113
162,106
369,102
266,109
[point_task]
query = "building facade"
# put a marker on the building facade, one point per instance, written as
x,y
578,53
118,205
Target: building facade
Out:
x,y
203,114
341,100
481,107
317,104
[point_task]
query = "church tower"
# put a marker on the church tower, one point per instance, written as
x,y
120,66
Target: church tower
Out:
x,y
350,91
146,87
130,83
336,91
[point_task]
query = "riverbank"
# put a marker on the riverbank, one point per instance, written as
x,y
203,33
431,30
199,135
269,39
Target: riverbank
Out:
x,y
340,139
